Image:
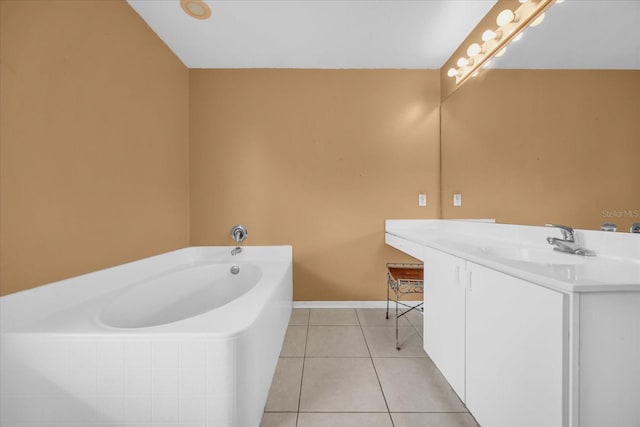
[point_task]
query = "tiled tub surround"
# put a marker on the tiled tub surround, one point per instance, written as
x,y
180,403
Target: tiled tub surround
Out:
x,y
63,365
560,330
340,367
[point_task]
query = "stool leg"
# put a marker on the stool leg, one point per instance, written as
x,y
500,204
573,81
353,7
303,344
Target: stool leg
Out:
x,y
397,341
387,301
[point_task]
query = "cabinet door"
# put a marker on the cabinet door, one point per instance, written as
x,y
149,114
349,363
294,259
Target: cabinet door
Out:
x,y
444,315
516,341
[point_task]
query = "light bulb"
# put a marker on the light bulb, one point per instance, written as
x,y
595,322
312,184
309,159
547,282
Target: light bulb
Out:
x,y
474,49
452,72
488,35
463,62
501,52
491,35
516,38
537,21
505,17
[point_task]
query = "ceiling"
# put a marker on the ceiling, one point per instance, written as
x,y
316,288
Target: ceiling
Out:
x,y
315,33
587,34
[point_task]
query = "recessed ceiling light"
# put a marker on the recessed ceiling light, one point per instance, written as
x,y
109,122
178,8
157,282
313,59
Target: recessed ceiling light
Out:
x,y
196,8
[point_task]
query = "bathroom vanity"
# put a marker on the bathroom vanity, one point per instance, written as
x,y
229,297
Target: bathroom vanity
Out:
x,y
525,335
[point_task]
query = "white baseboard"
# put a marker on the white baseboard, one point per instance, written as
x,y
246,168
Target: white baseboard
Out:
x,y
348,304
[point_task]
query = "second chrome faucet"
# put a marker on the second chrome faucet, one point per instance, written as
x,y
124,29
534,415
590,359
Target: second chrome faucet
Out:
x,y
567,243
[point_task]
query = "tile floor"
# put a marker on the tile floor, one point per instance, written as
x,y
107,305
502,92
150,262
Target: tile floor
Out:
x,y
340,367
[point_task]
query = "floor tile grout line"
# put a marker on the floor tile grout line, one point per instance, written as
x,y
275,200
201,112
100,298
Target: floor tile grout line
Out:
x,y
366,412
304,361
400,328
332,324
343,412
384,397
372,412
358,357
415,327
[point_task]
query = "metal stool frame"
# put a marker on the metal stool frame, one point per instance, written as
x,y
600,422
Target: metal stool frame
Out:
x,y
404,283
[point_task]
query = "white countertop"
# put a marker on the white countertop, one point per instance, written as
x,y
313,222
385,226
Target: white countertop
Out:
x,y
522,251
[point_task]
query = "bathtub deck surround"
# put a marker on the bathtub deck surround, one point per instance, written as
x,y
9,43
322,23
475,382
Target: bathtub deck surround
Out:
x,y
340,367
176,339
560,330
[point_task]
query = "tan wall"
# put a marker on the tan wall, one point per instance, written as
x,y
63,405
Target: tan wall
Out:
x,y
96,156
94,140
317,159
533,147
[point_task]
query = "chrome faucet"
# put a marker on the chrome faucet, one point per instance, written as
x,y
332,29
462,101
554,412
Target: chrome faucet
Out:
x,y
608,226
238,234
568,242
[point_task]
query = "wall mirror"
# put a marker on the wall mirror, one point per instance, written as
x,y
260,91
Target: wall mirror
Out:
x,y
551,131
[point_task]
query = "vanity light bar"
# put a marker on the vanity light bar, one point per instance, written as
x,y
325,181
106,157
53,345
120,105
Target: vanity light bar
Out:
x,y
510,23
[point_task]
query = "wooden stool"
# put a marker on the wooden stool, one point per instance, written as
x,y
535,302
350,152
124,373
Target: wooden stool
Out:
x,y
404,279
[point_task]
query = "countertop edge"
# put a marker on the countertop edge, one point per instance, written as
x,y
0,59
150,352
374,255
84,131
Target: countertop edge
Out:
x,y
538,279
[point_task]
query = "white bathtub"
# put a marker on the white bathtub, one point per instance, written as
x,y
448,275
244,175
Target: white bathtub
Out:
x,y
171,340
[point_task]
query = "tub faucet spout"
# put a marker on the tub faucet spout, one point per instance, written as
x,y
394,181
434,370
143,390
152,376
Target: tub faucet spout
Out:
x,y
238,234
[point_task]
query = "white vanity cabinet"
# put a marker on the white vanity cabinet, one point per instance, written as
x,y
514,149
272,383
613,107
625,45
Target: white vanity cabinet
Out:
x,y
500,341
444,315
525,335
608,384
516,343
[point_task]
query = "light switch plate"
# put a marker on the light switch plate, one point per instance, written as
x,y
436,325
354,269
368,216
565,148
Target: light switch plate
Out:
x,y
457,200
422,199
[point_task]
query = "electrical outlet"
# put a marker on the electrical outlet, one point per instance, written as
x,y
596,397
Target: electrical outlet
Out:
x,y
422,199
457,200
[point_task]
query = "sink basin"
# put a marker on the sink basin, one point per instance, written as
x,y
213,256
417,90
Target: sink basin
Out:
x,y
532,255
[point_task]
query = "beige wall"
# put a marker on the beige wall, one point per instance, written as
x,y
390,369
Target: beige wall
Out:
x,y
94,140
111,150
317,159
541,146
